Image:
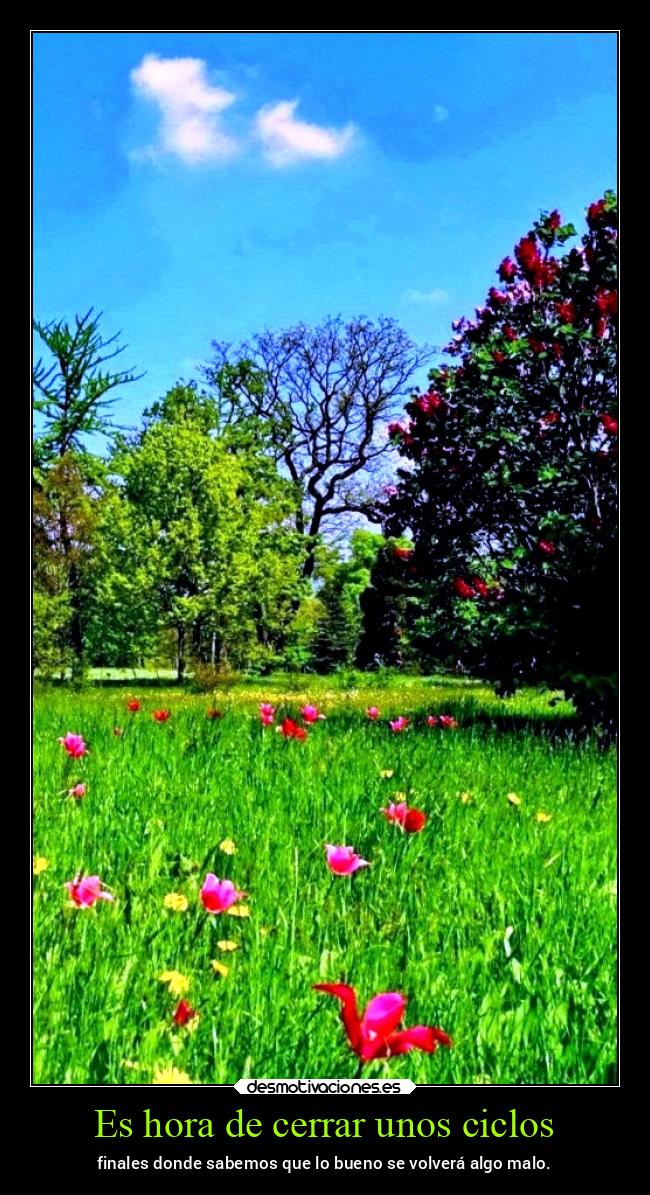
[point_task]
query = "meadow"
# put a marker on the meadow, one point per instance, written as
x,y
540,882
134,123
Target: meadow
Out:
x,y
497,920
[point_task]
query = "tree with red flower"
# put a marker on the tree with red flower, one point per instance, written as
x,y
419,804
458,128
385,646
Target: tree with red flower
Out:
x,y
510,490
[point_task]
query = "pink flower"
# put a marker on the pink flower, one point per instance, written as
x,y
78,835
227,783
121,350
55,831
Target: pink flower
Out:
x,y
74,745
432,720
309,714
267,713
395,813
86,892
399,724
410,820
447,722
373,713
343,861
546,546
218,895
374,1034
78,791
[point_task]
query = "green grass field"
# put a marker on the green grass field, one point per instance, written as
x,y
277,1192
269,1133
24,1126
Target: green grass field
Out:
x,y
499,928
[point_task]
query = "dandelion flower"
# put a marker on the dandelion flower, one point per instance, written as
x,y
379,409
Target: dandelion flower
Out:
x,y
171,1076
176,902
177,983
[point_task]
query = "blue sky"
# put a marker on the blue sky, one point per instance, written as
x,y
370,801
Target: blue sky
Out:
x,y
201,186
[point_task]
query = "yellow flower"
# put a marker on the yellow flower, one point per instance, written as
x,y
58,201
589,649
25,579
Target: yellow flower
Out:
x,y
386,775
177,983
176,901
170,1075
220,968
39,864
129,1065
399,796
238,911
227,846
513,798
543,817
226,944
465,798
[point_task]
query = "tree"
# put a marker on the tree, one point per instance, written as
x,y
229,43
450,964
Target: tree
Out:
x,y
70,399
208,535
508,485
70,392
343,583
325,395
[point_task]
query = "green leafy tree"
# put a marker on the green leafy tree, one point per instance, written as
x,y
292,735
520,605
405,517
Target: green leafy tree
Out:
x,y
71,389
343,583
210,544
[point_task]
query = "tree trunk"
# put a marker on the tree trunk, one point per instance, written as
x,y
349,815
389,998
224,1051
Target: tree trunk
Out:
x,y
180,658
75,630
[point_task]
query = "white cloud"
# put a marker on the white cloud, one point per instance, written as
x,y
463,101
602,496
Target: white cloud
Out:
x,y
286,140
434,297
439,113
190,109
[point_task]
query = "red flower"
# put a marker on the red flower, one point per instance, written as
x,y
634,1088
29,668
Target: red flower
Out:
x,y
566,311
432,720
509,332
133,705
546,546
527,253
536,345
550,418
402,553
161,715
600,327
463,589
290,730
545,272
557,350
447,722
481,588
554,220
498,356
607,301
184,1013
507,270
375,1035
213,714
610,425
595,211
414,821
430,403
